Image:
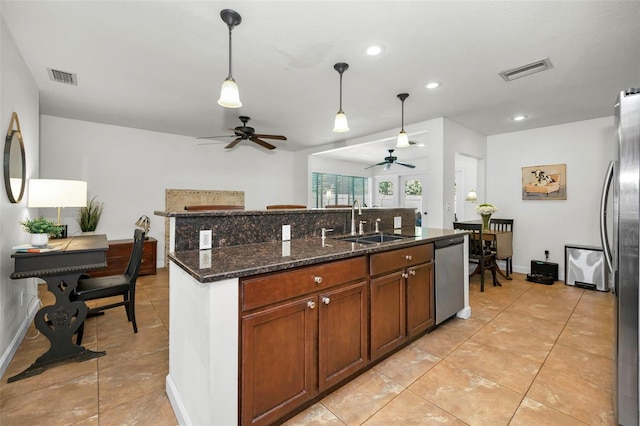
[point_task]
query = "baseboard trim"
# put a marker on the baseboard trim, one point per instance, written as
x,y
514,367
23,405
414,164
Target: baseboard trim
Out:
x,y
176,403
8,355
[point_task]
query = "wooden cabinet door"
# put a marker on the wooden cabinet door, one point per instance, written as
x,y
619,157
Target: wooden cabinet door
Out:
x,y
279,370
388,318
420,303
343,333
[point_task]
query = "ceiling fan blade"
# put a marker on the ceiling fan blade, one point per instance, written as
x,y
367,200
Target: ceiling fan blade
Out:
x,y
216,137
377,164
262,143
238,132
406,164
234,143
278,137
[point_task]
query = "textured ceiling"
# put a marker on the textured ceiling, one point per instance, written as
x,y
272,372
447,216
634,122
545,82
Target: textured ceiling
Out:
x,y
158,65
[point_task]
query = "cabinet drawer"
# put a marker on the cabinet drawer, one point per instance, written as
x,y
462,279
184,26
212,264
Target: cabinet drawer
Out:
x,y
263,290
401,258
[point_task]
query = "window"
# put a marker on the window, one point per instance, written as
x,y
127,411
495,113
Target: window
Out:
x,y
330,189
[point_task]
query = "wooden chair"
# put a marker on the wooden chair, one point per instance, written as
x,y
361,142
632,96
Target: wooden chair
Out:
x,y
285,206
485,259
114,285
502,225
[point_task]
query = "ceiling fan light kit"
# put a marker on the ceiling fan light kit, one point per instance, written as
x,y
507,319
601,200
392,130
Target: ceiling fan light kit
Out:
x,y
229,93
403,139
340,124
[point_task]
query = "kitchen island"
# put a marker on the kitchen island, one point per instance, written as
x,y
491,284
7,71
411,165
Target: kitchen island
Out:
x,y
227,302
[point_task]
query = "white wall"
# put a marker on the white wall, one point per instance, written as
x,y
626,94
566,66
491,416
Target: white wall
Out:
x,y
129,170
18,92
586,147
459,140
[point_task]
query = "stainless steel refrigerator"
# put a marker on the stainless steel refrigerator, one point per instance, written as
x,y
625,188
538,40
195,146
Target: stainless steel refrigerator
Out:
x,y
621,244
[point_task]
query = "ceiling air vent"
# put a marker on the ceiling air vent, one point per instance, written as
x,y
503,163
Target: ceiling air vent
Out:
x,y
525,70
63,77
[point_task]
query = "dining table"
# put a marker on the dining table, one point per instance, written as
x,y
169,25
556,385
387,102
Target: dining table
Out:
x,y
60,265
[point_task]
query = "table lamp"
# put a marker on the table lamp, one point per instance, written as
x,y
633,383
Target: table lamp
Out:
x,y
57,193
472,196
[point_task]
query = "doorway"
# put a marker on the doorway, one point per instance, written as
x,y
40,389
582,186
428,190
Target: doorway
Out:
x,y
404,191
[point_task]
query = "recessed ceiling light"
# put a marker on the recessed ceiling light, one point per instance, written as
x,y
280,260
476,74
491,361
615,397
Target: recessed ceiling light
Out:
x,y
433,85
374,50
519,117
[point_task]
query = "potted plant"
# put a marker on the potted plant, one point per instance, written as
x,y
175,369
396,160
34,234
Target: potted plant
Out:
x,y
40,230
89,216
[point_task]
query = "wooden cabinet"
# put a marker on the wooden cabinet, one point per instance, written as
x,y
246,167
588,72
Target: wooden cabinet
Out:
x,y
118,258
402,304
302,332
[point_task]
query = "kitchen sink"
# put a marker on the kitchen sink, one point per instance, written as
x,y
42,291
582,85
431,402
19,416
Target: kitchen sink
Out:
x,y
372,239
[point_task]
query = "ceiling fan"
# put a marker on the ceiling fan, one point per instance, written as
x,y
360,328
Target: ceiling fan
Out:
x,y
391,159
245,132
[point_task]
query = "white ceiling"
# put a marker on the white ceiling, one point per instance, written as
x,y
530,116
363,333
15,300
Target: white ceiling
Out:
x,y
158,65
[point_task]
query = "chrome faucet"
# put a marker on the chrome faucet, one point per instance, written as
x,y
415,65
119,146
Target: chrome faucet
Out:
x,y
353,218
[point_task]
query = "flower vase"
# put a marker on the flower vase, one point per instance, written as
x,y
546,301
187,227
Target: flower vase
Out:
x,y
485,221
39,240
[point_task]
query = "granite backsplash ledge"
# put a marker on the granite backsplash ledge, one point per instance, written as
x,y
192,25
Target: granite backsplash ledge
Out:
x,y
232,228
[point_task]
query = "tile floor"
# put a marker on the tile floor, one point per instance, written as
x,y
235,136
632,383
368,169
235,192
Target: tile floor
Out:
x,y
530,355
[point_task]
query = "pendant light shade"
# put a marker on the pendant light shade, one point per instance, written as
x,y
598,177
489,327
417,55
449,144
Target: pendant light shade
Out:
x,y
403,139
229,94
340,123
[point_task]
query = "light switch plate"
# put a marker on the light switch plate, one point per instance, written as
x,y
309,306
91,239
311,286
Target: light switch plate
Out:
x,y
397,222
205,239
286,232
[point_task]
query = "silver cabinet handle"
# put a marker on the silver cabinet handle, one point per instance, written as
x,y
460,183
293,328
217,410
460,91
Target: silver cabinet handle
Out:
x,y
412,272
311,304
317,280
326,300
405,275
408,257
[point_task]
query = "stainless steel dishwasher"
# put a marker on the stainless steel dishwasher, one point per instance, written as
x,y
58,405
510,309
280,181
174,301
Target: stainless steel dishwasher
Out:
x,y
449,256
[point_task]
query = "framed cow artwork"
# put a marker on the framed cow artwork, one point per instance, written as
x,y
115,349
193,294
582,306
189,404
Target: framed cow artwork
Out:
x,y
547,182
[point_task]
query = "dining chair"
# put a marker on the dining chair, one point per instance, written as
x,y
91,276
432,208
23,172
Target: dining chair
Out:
x,y
505,225
113,285
478,253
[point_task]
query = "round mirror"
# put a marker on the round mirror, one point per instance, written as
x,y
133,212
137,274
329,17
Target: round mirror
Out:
x,y
14,162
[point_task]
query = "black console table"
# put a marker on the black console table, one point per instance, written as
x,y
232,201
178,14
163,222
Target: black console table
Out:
x,y
61,269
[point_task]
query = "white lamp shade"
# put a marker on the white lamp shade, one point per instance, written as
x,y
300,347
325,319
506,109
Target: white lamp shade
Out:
x,y
472,196
57,193
229,94
403,140
340,124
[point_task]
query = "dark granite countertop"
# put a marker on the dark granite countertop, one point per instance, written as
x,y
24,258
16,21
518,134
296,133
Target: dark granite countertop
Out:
x,y
251,259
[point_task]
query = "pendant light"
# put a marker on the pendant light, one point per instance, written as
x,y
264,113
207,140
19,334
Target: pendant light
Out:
x,y
403,139
229,94
340,124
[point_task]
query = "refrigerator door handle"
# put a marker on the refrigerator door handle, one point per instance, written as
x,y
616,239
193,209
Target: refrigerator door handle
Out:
x,y
604,236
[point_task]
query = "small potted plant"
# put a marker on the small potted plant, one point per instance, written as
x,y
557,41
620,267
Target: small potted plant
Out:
x,y
40,230
89,216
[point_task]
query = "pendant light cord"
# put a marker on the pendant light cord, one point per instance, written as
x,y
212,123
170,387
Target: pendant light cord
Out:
x,y
402,124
